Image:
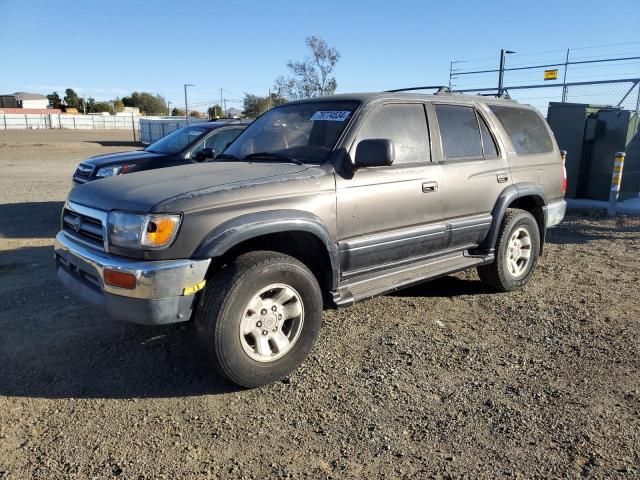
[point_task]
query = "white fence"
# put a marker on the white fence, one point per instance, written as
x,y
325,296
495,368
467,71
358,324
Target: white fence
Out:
x,y
11,121
153,129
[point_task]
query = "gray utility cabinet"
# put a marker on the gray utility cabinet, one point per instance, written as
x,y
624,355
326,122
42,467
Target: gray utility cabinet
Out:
x,y
591,135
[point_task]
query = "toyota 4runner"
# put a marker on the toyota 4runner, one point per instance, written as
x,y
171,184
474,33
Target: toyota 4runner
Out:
x,y
319,203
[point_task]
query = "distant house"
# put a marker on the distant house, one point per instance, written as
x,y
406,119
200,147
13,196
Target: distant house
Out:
x,y
128,111
24,100
234,112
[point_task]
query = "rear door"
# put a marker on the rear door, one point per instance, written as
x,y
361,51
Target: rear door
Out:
x,y
391,214
475,170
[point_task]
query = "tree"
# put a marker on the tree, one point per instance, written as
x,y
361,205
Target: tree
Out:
x,y
148,103
195,114
100,107
177,112
118,106
54,100
71,99
312,76
89,103
255,105
215,111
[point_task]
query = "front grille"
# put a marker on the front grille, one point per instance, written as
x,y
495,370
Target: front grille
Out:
x,y
83,171
84,227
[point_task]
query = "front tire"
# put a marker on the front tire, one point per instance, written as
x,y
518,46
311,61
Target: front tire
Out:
x,y
516,254
260,317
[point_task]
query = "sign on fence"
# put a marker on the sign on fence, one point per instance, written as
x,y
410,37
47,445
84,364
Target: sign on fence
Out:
x,y
551,74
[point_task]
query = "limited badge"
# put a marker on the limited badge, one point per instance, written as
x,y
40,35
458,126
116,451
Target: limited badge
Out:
x,y
331,115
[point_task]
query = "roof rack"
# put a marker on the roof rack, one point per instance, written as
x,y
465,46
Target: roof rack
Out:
x,y
439,88
489,92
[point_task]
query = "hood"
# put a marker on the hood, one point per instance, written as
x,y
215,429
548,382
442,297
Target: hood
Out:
x,y
141,191
120,157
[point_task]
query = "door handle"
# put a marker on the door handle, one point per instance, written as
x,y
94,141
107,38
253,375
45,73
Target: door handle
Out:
x,y
429,187
502,177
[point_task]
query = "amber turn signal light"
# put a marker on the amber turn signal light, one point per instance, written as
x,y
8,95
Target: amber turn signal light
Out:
x,y
120,279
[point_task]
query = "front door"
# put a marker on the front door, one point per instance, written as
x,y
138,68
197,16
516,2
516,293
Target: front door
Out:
x,y
392,214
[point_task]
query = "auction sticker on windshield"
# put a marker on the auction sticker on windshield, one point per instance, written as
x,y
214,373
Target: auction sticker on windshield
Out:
x,y
331,115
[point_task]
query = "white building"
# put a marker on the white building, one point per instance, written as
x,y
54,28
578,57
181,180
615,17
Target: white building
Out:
x,y
24,100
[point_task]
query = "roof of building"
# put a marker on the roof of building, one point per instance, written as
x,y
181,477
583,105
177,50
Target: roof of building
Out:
x,y
26,96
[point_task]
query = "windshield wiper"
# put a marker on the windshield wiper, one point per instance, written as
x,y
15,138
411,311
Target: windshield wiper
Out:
x,y
272,156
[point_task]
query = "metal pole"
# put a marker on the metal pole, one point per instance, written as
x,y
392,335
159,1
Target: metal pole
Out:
x,y
221,100
133,127
186,107
635,128
616,180
564,80
501,74
450,73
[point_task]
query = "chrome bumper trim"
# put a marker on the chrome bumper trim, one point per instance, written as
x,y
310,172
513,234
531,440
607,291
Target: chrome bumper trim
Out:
x,y
154,279
554,213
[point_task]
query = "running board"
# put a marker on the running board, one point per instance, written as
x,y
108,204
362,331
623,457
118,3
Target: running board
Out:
x,y
359,288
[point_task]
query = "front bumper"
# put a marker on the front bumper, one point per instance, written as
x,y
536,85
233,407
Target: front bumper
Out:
x,y
158,297
554,213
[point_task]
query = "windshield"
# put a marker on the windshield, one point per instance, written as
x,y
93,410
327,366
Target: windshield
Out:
x,y
178,140
302,131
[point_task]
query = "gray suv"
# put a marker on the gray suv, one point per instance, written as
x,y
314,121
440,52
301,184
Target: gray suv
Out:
x,y
318,204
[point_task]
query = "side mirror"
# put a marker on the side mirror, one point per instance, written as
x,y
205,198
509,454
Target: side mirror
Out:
x,y
205,153
375,152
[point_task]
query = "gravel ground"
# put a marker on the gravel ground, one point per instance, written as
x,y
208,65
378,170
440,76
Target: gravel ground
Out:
x,y
442,380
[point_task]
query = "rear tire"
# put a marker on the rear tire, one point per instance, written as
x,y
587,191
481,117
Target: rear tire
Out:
x,y
260,317
516,254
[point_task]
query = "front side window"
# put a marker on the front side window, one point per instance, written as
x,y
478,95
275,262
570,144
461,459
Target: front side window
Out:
x,y
220,138
459,132
177,141
216,141
405,125
305,131
525,128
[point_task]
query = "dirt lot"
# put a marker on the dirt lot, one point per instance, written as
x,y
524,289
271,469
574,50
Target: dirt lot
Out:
x,y
442,380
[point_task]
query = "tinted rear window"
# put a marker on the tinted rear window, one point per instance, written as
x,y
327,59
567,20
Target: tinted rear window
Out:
x,y
525,128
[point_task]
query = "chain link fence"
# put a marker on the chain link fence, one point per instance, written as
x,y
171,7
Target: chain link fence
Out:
x,y
622,94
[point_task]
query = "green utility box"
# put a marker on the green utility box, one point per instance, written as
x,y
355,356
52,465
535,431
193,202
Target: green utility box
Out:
x,y
591,135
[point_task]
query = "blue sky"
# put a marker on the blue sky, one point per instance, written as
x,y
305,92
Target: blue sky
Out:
x,y
110,48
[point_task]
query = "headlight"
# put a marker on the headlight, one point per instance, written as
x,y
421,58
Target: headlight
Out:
x,y
130,230
113,170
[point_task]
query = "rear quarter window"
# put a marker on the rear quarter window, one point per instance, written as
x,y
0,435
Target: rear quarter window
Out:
x,y
526,129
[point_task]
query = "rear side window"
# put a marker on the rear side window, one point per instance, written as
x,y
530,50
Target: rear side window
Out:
x,y
459,132
525,128
405,124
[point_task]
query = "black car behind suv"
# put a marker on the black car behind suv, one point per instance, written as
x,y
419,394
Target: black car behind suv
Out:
x,y
191,144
